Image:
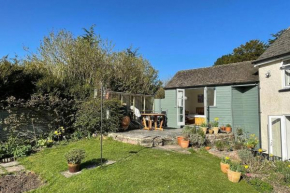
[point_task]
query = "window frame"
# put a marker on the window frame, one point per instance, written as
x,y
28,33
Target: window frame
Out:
x,y
214,98
284,68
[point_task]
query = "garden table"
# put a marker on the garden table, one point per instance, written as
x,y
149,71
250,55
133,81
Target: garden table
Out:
x,y
155,118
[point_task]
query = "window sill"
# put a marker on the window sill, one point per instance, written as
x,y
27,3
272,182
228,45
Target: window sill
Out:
x,y
284,90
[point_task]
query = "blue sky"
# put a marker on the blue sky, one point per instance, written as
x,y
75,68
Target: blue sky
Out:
x,y
172,35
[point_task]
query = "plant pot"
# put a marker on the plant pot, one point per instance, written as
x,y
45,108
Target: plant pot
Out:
x,y
204,129
224,167
184,143
210,131
228,129
223,128
73,168
207,148
179,139
125,122
234,176
216,130
250,147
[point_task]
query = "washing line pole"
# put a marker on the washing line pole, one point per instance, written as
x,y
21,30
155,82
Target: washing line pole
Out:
x,y
102,124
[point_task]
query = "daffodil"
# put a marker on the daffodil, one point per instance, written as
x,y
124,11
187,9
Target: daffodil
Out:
x,y
55,132
271,155
246,166
260,150
216,119
227,158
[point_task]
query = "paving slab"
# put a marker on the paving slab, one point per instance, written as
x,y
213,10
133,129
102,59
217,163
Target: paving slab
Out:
x,y
16,168
9,164
67,174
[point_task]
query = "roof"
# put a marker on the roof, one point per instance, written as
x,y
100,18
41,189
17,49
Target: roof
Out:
x,y
227,74
280,48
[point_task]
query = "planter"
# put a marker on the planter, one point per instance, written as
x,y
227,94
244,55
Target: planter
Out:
x,y
207,148
216,130
234,176
184,143
228,129
223,128
204,129
179,139
73,168
224,167
125,122
250,147
210,131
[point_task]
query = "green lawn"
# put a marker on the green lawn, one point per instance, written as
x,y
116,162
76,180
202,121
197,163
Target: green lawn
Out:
x,y
148,171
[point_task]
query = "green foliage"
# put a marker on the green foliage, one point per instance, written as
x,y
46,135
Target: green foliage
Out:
x,y
204,124
160,94
222,145
275,36
75,156
283,167
14,147
226,160
252,141
251,50
260,185
236,167
197,137
239,131
88,118
228,125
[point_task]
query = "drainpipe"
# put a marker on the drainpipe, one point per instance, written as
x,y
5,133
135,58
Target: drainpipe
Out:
x,y
259,109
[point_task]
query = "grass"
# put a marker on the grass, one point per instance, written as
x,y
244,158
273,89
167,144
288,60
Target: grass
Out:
x,y
137,169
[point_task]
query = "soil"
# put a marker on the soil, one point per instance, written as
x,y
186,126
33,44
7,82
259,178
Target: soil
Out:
x,y
20,182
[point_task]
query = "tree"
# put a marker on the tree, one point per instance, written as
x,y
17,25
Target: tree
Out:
x,y
249,51
275,36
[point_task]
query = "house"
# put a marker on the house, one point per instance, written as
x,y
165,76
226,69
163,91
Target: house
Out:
x,y
274,75
229,92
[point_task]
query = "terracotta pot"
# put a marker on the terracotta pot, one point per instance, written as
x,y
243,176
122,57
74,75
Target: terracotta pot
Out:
x,y
216,130
228,129
210,131
73,168
223,128
224,167
125,122
179,139
207,148
234,176
184,143
204,129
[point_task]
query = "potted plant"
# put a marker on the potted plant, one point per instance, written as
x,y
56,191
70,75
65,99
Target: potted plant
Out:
x,y
74,158
204,126
186,132
252,141
235,172
225,164
215,125
184,142
210,131
228,128
223,128
208,147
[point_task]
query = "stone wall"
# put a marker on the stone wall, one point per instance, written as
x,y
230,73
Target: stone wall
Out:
x,y
212,138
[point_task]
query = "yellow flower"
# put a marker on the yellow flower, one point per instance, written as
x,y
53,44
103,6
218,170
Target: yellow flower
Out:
x,y
260,150
55,132
271,155
227,158
216,119
288,166
246,166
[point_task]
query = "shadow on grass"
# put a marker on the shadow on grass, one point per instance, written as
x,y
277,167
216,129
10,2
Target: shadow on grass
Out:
x,y
92,163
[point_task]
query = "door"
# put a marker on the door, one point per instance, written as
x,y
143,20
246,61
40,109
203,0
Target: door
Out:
x,y
277,136
180,107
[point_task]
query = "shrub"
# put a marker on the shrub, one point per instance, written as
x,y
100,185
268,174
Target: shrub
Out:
x,y
75,156
236,167
246,156
260,185
88,118
283,168
197,137
221,145
238,145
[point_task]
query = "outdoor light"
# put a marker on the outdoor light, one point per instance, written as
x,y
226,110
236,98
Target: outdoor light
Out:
x,y
268,74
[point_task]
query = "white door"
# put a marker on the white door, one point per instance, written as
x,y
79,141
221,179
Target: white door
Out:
x,y
180,107
277,137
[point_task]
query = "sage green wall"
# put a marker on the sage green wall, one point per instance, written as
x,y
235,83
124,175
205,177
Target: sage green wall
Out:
x,y
223,108
246,109
169,105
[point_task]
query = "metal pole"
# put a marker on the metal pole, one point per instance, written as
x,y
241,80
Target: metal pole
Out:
x,y
101,124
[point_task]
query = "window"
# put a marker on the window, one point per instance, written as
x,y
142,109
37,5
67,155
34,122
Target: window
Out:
x,y
286,73
211,97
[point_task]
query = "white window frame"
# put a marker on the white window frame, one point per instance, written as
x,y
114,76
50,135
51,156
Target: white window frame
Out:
x,y
214,98
287,66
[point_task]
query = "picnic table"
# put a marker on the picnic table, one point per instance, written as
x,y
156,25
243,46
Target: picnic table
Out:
x,y
155,119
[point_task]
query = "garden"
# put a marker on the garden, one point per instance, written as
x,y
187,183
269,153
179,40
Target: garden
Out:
x,y
241,158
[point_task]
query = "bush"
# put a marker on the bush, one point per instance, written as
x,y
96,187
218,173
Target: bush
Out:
x,y
88,118
236,167
197,137
260,185
222,145
246,156
75,156
283,168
